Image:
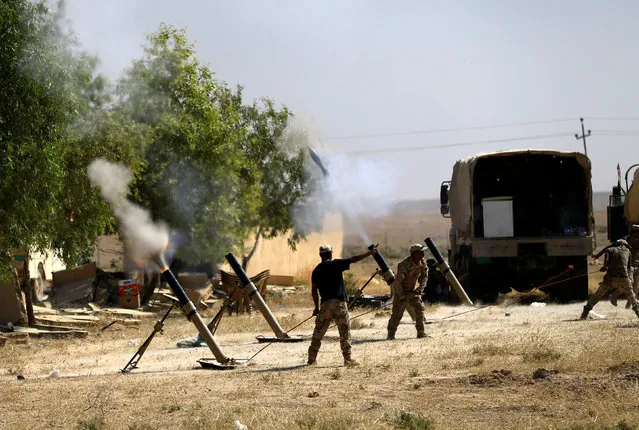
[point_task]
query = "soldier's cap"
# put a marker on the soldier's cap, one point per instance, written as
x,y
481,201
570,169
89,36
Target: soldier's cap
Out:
x,y
416,247
635,227
325,248
620,242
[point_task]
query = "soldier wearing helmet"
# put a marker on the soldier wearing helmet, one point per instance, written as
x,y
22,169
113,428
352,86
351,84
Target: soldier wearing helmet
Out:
x,y
617,266
410,270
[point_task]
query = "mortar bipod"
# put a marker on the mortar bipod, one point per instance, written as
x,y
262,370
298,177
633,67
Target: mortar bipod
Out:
x,y
157,328
280,334
189,310
197,341
359,292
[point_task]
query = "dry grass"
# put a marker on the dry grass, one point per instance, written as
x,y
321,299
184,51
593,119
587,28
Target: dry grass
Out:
x,y
482,357
480,370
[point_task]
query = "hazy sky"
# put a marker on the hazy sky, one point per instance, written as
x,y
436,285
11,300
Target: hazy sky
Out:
x,y
361,68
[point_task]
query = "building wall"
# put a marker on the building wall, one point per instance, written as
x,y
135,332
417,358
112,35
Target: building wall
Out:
x,y
276,255
273,254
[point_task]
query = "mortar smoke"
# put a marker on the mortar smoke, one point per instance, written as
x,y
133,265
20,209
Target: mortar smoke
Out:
x,y
144,237
359,188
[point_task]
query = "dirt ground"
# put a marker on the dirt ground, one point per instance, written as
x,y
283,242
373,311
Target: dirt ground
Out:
x,y
503,366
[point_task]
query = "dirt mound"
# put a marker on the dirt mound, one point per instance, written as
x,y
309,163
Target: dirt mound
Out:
x,y
543,373
625,367
494,378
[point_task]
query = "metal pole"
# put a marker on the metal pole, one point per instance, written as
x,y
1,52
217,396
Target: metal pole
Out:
x,y
189,310
447,271
259,301
583,136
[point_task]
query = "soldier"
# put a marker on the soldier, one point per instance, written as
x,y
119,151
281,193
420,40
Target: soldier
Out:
x,y
436,286
410,270
633,241
327,279
616,265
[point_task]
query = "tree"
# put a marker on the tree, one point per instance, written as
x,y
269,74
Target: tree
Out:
x,y
282,179
214,170
49,94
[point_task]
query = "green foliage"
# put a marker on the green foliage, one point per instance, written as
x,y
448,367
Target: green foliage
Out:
x,y
215,170
335,374
210,165
47,88
407,420
94,423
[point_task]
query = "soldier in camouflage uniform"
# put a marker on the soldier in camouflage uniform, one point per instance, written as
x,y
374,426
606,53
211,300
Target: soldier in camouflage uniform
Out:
x,y
410,270
328,281
617,267
633,241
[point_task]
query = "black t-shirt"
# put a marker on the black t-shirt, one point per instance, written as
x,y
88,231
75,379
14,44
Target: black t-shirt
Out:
x,y
329,280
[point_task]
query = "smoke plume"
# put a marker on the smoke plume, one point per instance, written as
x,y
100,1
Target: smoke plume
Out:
x,y
359,188
144,237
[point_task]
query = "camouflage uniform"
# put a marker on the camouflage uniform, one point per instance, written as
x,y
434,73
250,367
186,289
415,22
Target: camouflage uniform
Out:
x,y
616,278
633,272
634,262
406,295
337,310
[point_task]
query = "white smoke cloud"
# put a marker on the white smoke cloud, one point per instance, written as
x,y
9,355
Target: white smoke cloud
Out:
x,y
357,187
144,237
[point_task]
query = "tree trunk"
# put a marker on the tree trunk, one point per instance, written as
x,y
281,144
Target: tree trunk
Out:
x,y
150,285
23,311
246,258
28,292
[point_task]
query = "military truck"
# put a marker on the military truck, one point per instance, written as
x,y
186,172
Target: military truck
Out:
x,y
521,219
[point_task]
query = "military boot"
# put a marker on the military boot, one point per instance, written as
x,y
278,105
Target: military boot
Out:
x,y
391,335
421,335
349,362
584,314
311,358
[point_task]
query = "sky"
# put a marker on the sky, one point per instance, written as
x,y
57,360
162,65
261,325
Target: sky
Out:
x,y
373,78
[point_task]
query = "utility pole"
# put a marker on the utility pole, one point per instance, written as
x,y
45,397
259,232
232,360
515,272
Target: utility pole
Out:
x,y
583,135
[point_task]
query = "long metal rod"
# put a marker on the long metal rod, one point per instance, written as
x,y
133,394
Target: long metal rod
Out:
x,y
359,292
190,311
446,270
259,301
271,343
133,362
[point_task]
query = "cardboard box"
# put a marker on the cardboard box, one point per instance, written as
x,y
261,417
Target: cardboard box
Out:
x,y
128,294
73,286
129,301
128,287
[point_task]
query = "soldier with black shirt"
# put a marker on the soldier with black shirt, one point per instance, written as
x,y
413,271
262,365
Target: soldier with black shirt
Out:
x,y
328,281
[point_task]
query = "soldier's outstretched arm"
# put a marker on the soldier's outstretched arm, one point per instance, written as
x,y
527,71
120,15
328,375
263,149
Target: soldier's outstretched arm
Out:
x,y
360,257
600,253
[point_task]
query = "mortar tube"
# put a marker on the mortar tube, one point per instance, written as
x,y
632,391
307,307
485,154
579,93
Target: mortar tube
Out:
x,y
446,270
259,301
189,310
386,272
